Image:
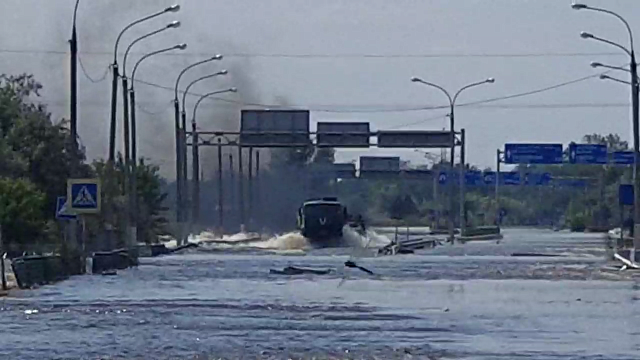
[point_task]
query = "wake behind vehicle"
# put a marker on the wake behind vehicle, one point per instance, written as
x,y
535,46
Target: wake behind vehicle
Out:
x,y
322,220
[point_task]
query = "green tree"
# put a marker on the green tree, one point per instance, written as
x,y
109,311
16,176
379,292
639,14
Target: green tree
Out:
x,y
21,215
151,214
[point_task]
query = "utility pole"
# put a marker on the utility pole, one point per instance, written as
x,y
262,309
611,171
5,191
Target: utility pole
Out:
x,y
241,187
195,158
250,185
463,212
73,44
636,150
220,190
232,181
452,102
258,201
498,212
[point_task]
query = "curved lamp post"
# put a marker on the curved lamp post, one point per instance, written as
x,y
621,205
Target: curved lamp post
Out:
x,y
181,151
186,90
134,157
73,45
114,85
635,105
196,161
452,102
125,88
128,128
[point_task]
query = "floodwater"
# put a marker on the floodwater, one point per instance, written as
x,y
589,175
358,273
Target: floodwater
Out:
x,y
471,301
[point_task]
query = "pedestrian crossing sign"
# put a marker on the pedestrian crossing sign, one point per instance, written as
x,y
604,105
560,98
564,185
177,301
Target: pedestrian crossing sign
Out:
x,y
83,196
62,211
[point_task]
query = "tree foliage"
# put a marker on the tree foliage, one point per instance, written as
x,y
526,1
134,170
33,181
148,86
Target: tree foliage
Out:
x,y
38,156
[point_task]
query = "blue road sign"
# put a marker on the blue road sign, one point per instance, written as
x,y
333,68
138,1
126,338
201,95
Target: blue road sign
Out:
x,y
625,194
473,178
62,211
587,153
83,196
510,178
541,179
442,177
532,153
623,157
489,177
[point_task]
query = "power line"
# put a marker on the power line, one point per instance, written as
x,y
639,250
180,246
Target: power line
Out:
x,y
86,73
417,108
372,107
439,117
333,56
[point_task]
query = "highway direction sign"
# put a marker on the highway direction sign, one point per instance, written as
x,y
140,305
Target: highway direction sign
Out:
x,y
83,196
380,163
587,153
345,170
542,179
274,128
625,194
343,134
473,178
623,157
533,153
510,178
489,177
62,211
416,174
414,139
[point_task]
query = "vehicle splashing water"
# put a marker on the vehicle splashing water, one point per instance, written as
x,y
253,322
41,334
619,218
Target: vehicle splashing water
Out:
x,y
287,241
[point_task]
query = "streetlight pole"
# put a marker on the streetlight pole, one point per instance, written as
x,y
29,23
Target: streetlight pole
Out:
x,y
635,106
134,156
73,44
129,133
452,102
195,146
196,155
114,84
180,134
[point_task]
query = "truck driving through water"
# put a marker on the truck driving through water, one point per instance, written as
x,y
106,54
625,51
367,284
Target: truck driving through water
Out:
x,y
322,220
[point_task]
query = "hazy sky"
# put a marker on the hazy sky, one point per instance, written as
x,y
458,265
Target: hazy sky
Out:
x,y
524,45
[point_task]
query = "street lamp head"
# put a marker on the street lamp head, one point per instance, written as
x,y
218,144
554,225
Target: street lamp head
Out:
x,y
216,57
173,25
603,77
223,72
233,89
490,80
173,8
181,46
416,79
576,6
586,35
595,64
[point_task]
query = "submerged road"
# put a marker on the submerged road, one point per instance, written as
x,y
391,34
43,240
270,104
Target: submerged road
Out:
x,y
462,302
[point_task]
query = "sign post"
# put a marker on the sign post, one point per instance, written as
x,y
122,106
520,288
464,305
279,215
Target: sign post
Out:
x,y
84,196
2,269
379,167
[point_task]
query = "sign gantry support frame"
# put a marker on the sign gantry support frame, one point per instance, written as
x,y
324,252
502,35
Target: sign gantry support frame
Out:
x,y
219,139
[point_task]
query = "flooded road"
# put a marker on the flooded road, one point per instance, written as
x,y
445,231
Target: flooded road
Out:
x,y
471,301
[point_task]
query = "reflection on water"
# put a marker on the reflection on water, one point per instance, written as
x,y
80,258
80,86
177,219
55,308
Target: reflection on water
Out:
x,y
461,302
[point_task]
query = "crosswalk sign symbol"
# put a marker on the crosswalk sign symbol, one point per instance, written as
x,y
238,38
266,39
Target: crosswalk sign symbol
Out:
x,y
62,210
83,196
